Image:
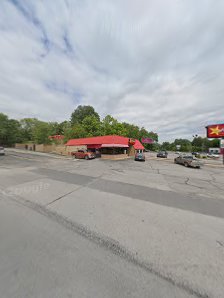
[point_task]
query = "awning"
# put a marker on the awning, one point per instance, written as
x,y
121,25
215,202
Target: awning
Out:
x,y
114,146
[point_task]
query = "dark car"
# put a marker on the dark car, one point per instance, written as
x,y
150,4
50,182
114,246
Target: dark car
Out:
x,y
2,150
188,161
97,153
83,154
196,154
162,154
140,156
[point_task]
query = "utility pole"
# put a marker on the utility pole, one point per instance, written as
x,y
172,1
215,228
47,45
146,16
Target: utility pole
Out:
x,y
222,149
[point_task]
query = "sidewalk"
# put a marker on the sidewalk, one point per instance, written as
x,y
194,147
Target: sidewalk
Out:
x,y
52,155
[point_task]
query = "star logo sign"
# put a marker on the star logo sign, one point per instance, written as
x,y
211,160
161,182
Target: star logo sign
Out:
x,y
215,130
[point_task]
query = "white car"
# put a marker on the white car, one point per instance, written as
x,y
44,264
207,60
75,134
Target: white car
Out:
x,y
2,151
213,155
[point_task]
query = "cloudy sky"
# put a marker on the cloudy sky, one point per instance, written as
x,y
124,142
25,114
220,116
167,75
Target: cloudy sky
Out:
x,y
155,63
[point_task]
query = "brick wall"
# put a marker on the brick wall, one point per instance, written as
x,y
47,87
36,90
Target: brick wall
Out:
x,y
25,146
70,149
114,157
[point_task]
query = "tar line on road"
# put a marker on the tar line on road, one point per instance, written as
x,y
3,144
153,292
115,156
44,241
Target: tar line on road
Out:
x,y
202,205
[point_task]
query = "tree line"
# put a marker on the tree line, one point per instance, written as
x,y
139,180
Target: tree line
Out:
x,y
198,144
84,122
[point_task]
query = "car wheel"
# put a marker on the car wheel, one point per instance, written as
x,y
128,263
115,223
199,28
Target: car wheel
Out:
x,y
175,161
86,157
186,164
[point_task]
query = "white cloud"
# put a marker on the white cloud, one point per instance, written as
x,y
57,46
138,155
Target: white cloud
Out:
x,y
155,63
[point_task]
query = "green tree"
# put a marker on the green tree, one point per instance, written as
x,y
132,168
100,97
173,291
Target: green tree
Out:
x,y
166,146
9,130
63,126
110,126
92,126
132,131
184,143
27,128
41,132
3,128
203,144
215,143
75,132
81,112
197,144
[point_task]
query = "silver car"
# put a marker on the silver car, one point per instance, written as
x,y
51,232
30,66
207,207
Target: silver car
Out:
x,y
188,161
2,151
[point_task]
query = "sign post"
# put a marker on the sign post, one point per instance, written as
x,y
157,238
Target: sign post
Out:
x,y
216,131
222,149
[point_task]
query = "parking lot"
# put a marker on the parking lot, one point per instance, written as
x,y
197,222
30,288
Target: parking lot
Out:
x,y
164,218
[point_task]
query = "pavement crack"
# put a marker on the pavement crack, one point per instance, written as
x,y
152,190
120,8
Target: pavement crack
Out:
x,y
220,243
186,181
61,197
76,189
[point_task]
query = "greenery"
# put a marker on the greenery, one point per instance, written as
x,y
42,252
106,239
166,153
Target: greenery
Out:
x,y
10,131
81,112
86,122
198,144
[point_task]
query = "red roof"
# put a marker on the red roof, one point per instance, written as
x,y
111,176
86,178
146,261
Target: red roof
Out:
x,y
104,140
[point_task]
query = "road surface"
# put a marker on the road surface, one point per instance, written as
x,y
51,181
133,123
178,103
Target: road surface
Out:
x,y
109,229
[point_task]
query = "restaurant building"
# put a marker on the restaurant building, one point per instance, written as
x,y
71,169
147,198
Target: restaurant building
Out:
x,y
110,147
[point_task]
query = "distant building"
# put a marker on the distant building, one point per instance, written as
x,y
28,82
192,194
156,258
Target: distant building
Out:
x,y
214,150
109,146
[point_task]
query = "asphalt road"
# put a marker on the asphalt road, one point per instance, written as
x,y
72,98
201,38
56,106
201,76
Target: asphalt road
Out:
x,y
41,258
73,228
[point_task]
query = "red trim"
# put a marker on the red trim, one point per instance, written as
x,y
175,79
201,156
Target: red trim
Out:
x,y
114,146
105,140
94,146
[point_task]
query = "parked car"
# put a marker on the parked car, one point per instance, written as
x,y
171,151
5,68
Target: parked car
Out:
x,y
196,154
83,154
97,153
188,161
213,155
162,154
139,156
2,151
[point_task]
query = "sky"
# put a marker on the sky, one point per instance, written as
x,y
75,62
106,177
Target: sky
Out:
x,y
154,63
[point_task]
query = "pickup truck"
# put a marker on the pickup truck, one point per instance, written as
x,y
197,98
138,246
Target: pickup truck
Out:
x,y
83,154
188,161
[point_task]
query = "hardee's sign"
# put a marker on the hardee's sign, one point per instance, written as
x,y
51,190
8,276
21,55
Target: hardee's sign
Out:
x,y
215,131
